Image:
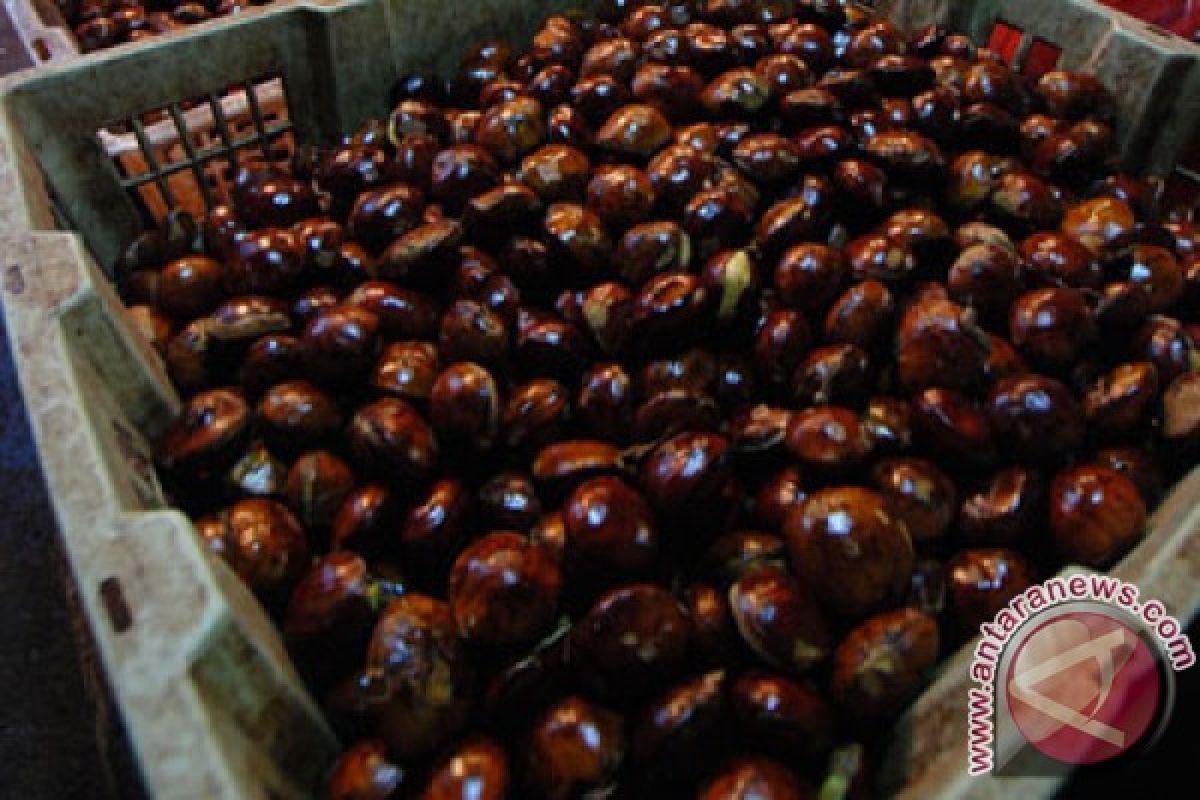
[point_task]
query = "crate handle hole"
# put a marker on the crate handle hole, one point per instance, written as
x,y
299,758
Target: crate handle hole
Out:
x,y
113,599
41,49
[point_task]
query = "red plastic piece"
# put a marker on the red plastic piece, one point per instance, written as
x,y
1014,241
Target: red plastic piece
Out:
x,y
1041,58
1005,40
1179,16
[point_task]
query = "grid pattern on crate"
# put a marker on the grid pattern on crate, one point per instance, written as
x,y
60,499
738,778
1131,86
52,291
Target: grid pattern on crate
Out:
x,y
184,156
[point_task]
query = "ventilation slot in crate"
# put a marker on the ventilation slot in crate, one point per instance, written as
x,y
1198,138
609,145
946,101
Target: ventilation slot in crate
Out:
x,y
1033,56
185,156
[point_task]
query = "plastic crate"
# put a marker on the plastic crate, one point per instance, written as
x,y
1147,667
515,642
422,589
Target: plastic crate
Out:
x,y
45,36
40,33
184,156
212,706
46,29
1154,74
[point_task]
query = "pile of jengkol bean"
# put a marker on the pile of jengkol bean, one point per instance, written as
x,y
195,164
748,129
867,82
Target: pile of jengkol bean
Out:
x,y
98,24
645,412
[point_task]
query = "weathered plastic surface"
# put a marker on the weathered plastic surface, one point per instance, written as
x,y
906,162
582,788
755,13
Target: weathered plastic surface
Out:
x,y
1154,75
212,705
40,30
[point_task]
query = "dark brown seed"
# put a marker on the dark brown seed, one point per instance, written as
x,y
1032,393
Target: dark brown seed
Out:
x,y
1120,401
1006,508
407,370
317,484
684,724
755,777
634,130
574,746
828,438
365,522
503,590
478,769
782,717
881,664
423,691
951,426
296,416
981,582
851,548
1035,418
464,406
609,523
265,545
363,772
922,495
631,640
389,438
209,435
1095,514
561,466
779,619
340,345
